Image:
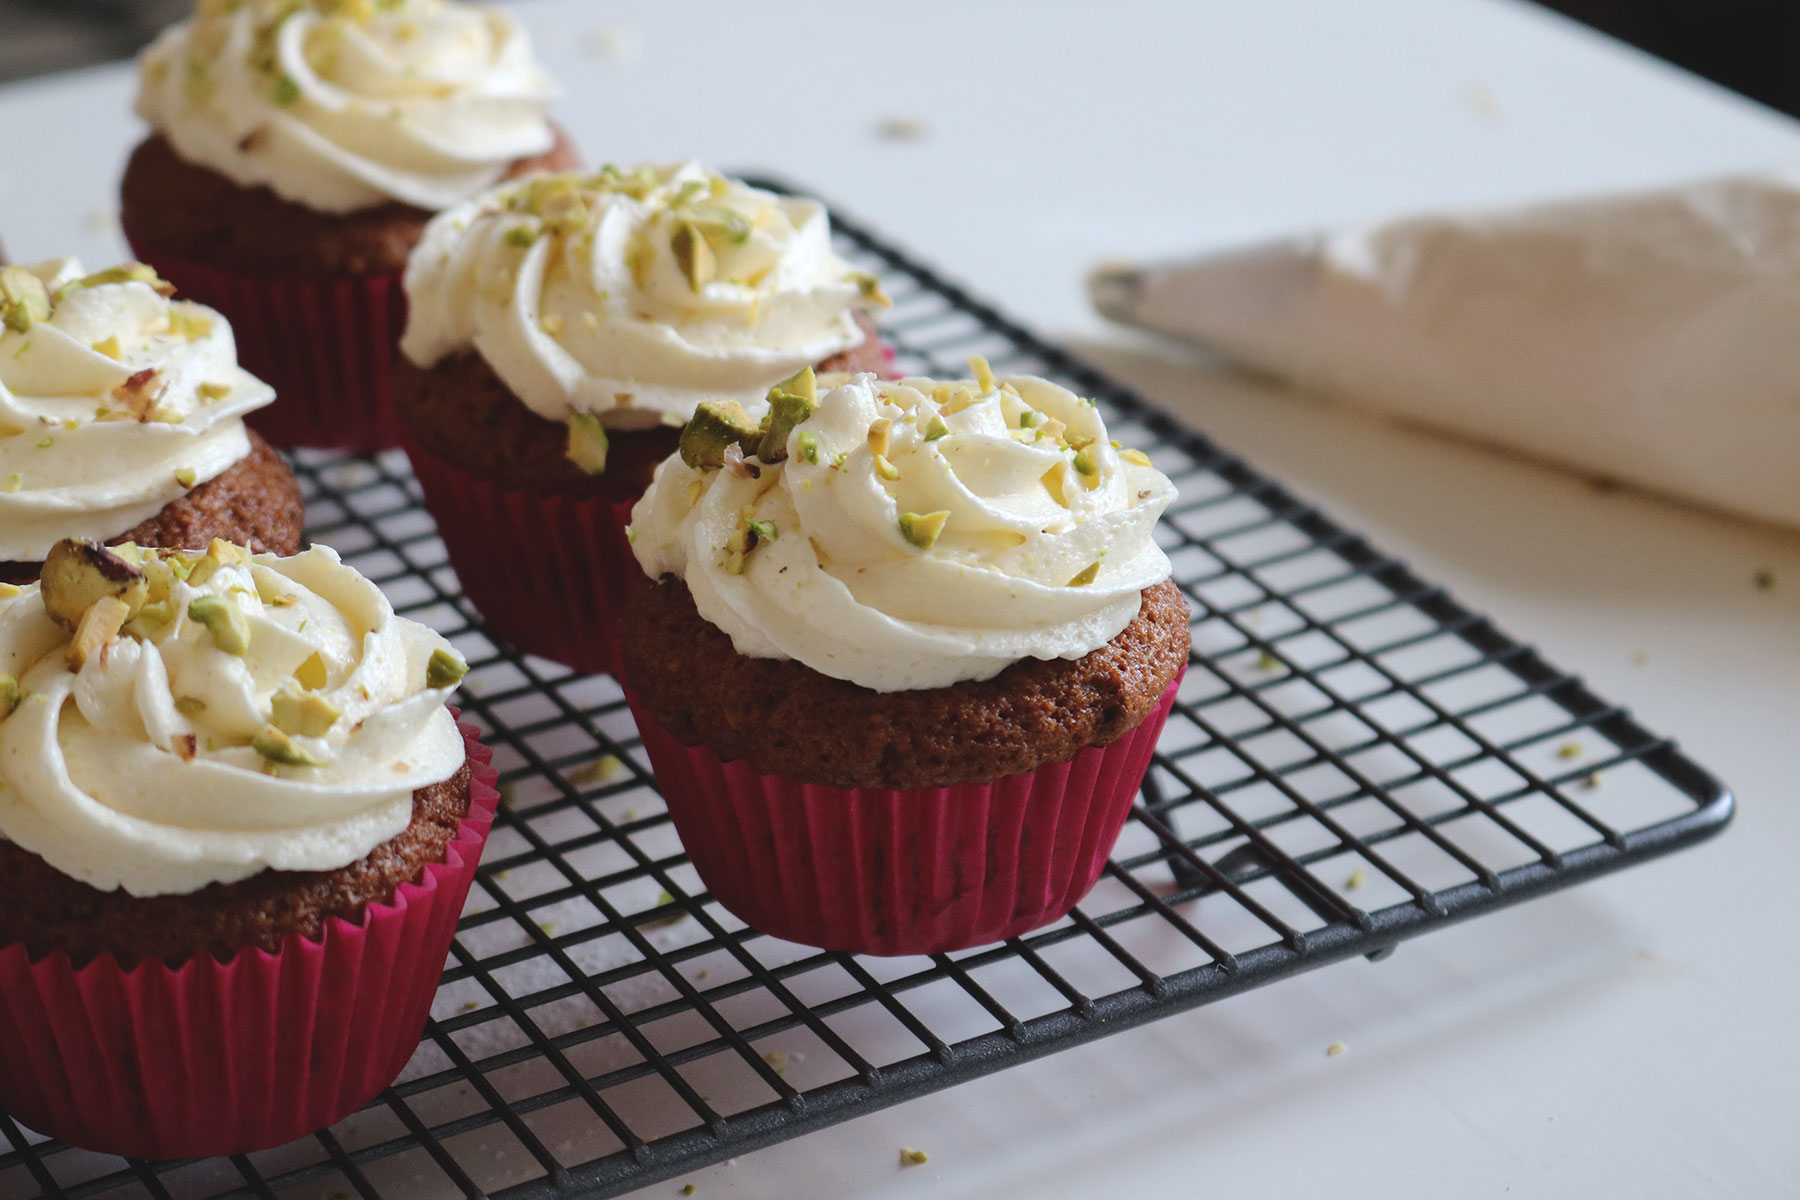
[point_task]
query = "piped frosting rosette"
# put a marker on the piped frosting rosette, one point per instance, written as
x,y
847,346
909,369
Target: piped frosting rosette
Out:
x,y
178,720
341,105
114,401
908,534
633,296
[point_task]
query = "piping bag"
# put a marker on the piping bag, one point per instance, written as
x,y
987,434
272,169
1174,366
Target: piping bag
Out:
x,y
1650,338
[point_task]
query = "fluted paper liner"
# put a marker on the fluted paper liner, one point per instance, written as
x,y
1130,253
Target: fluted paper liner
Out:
x,y
549,573
901,871
326,347
211,1057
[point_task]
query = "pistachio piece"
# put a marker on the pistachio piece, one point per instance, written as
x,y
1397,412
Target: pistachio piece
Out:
x,y
693,255
587,443
230,631
1087,465
219,554
923,531
304,713
791,401
1087,575
984,374
76,574
886,469
278,747
809,446
139,394
1136,457
9,695
131,272
100,624
717,424
110,348
151,619
880,434
189,706
24,301
936,429
871,289
312,674
445,669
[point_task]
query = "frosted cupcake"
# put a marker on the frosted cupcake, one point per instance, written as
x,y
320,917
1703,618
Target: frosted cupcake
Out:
x,y
906,655
237,824
297,150
562,330
122,420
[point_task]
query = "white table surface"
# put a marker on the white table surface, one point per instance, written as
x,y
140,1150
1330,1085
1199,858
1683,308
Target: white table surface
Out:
x,y
1636,1036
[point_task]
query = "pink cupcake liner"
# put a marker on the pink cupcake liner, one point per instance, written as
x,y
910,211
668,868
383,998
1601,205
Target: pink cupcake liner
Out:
x,y
901,871
325,346
550,574
212,1057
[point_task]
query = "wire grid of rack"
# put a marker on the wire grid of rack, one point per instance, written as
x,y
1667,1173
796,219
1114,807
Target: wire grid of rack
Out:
x,y
1354,759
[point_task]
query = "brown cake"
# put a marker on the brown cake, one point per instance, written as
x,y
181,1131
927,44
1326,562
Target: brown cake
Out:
x,y
48,909
460,411
767,712
196,213
255,502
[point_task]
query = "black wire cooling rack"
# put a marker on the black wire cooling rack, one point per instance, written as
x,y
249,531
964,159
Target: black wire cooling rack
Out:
x,y
1355,759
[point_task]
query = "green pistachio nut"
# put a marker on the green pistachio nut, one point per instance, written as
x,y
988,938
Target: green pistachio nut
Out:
x,y
791,401
923,531
304,713
446,669
693,255
224,620
24,301
9,695
76,574
278,747
717,424
1088,574
588,443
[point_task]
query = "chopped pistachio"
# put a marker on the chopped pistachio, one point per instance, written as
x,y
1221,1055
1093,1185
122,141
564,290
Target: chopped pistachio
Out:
x,y
871,289
1335,1049
230,631
311,673
12,483
588,443
880,434
1029,418
984,374
693,255
1357,878
151,619
1569,750
521,236
304,713
607,766
186,476
886,469
219,554
24,301
791,401
913,1158
717,424
809,446
923,531
100,624
190,706
78,574
1136,457
9,590
287,91
1087,575
139,393
936,429
111,348
1087,465
9,695
446,669
131,272
765,531
278,747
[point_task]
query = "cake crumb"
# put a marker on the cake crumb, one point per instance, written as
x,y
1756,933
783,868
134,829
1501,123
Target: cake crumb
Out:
x,y
688,1189
1335,1049
607,766
913,1158
1569,750
1357,878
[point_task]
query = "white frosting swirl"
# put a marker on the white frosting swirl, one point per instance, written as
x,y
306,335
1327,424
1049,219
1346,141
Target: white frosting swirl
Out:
x,y
577,291
76,460
1030,495
137,771
346,104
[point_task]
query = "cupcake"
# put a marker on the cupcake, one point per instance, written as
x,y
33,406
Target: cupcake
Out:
x,y
561,332
237,826
902,656
297,150
122,420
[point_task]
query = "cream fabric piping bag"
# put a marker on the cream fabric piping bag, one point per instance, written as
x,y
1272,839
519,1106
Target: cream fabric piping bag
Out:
x,y
1652,338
